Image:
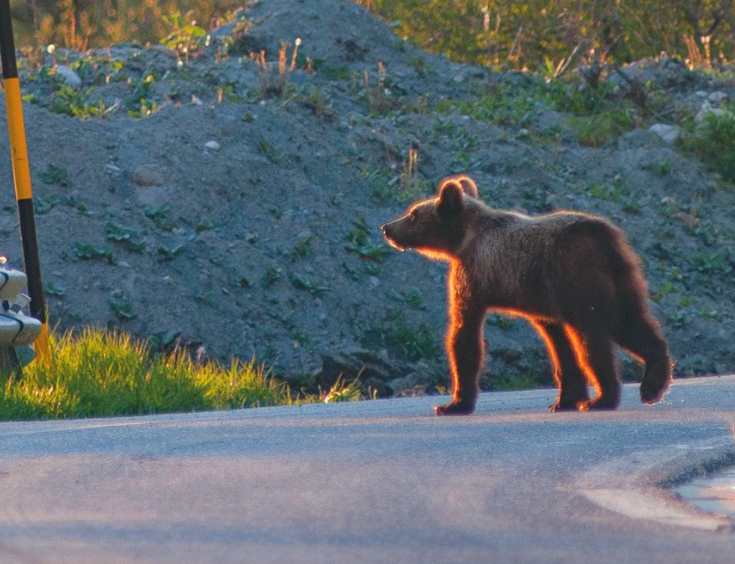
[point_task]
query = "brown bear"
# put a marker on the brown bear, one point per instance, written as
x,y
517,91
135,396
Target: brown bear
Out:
x,y
571,274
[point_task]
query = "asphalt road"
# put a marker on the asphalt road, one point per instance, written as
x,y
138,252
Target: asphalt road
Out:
x,y
379,481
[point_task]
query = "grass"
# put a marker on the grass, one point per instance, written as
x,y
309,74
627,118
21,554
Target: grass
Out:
x,y
714,142
597,130
96,373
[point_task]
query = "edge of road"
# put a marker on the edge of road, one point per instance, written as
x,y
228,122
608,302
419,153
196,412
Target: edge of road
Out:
x,y
641,485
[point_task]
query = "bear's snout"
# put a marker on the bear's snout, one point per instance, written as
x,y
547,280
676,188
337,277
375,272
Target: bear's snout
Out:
x,y
388,230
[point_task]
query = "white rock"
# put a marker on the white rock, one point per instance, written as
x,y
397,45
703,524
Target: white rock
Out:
x,y
68,75
669,133
717,97
701,93
212,145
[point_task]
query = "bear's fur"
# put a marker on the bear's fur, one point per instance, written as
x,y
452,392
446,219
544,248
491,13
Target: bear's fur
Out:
x,y
572,275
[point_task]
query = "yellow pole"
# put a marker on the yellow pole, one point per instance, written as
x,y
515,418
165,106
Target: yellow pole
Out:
x,y
22,177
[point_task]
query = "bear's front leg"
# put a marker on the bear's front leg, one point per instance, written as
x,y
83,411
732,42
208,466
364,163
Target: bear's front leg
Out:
x,y
465,349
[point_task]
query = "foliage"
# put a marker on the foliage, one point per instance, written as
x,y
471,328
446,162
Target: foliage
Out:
x,y
82,24
185,36
714,141
97,373
541,34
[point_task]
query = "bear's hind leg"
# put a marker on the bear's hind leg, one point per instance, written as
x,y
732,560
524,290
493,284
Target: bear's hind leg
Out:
x,y
596,356
568,376
641,336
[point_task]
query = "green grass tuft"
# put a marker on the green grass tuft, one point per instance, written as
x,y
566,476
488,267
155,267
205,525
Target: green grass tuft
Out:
x,y
97,373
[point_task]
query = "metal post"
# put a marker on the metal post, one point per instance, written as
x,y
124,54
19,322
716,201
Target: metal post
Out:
x,y
22,176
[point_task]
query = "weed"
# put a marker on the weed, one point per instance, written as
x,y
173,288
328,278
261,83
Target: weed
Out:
x,y
361,244
411,186
379,98
598,129
714,142
185,36
159,215
503,105
715,262
618,193
269,151
51,289
271,276
276,83
75,103
128,237
318,103
343,391
303,248
138,103
302,283
662,168
85,251
165,253
57,175
121,307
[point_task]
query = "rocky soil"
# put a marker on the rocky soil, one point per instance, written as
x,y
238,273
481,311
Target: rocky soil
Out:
x,y
208,199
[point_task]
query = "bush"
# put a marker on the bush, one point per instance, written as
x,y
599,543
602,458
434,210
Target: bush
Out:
x,y
714,142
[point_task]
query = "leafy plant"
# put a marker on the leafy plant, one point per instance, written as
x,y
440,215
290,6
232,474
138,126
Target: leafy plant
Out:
x,y
360,243
714,142
57,175
185,36
75,103
85,251
128,237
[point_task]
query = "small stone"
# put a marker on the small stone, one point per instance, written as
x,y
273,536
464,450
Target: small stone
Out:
x,y
669,133
212,145
717,97
69,76
147,175
374,281
112,170
701,93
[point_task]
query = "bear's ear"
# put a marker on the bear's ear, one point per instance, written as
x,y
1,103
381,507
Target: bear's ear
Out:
x,y
469,187
450,199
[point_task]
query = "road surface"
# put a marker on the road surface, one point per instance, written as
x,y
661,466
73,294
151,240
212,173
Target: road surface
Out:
x,y
378,481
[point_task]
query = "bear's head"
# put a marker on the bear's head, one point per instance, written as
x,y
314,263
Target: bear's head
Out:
x,y
435,227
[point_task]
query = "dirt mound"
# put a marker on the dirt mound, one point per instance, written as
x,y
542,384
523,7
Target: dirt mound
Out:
x,y
217,201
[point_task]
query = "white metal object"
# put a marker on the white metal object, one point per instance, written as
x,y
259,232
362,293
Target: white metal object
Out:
x,y
16,328
11,283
